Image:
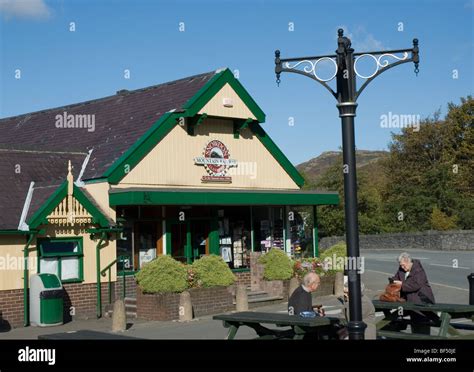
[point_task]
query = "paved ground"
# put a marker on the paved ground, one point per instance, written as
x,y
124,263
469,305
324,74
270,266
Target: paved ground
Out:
x,y
449,285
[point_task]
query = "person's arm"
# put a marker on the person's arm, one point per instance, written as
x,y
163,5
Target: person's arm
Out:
x,y
414,284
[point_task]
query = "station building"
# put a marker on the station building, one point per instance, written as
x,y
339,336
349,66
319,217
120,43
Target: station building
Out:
x,y
93,191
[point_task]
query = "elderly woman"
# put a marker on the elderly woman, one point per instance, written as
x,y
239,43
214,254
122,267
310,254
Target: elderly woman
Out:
x,y
368,310
412,277
415,288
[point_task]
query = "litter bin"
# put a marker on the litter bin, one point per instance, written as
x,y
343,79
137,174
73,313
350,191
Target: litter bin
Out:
x,y
46,300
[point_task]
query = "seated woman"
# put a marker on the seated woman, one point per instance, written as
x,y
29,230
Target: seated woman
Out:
x,y
415,288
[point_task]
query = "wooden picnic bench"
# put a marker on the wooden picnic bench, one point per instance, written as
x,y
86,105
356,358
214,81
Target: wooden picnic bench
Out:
x,y
298,326
395,311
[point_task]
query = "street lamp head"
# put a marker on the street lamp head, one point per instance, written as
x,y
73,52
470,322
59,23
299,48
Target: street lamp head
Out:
x,y
340,32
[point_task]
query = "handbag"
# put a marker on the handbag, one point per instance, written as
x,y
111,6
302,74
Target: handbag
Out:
x,y
392,293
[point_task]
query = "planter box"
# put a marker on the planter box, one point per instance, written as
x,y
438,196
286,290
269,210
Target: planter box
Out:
x,y
165,306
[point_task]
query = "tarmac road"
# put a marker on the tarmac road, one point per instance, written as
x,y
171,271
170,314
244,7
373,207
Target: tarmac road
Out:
x,y
449,283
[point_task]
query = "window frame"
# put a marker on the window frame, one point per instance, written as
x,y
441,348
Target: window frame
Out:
x,y
79,254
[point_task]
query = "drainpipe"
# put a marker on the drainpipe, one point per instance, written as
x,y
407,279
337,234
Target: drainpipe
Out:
x,y
103,237
26,304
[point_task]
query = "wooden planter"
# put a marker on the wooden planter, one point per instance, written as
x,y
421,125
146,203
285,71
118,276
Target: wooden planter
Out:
x,y
165,306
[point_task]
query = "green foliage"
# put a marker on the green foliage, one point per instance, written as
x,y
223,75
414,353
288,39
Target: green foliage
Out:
x,y
211,271
440,221
277,265
432,167
163,274
334,257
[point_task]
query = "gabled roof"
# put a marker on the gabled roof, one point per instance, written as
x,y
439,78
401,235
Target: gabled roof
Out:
x,y
120,120
18,168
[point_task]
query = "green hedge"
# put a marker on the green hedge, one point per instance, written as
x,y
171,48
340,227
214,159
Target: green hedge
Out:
x,y
163,274
211,271
339,251
277,265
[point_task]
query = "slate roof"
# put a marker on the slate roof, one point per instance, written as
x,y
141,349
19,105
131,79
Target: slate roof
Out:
x,y
18,168
120,120
41,150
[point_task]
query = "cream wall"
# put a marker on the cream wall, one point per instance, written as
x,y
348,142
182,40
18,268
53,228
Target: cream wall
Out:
x,y
171,162
215,106
107,254
11,261
100,193
11,256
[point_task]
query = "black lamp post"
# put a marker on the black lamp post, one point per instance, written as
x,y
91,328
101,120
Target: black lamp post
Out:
x,y
345,72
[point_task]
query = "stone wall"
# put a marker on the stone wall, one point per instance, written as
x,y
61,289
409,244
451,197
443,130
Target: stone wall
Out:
x,y
462,240
165,306
243,277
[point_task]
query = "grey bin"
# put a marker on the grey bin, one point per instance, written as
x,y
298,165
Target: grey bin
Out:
x,y
46,300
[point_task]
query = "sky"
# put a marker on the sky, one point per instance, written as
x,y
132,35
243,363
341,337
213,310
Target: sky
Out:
x,y
70,51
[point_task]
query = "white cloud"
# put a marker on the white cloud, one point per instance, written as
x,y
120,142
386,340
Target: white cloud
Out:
x,y
363,41
33,9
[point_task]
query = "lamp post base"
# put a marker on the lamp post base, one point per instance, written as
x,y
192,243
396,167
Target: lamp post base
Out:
x,y
356,329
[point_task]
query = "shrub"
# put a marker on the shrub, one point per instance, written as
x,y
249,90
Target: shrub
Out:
x,y
334,257
163,274
441,221
277,265
211,271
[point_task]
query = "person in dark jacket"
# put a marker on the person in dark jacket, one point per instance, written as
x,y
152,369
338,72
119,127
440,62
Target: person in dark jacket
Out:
x,y
301,300
412,277
415,288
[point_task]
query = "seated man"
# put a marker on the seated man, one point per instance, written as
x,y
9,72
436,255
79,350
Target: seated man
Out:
x,y
415,288
301,299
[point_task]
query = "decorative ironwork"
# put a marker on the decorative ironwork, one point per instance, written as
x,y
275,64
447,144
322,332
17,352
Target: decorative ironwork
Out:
x,y
380,63
311,69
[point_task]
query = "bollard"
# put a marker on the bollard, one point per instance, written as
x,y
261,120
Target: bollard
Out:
x,y
294,283
119,317
339,284
241,298
470,279
185,307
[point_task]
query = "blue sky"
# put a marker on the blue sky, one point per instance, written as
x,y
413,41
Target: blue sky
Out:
x,y
59,67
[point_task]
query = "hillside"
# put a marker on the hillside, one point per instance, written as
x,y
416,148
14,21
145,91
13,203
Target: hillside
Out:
x,y
367,162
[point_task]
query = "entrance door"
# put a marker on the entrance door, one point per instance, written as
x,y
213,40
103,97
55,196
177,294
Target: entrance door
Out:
x,y
200,238
179,241
145,242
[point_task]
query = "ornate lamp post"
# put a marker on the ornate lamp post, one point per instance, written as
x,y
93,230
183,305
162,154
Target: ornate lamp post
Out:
x,y
345,72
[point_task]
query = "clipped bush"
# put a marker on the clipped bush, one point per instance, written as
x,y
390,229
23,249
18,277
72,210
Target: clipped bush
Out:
x,y
163,274
277,265
334,257
212,271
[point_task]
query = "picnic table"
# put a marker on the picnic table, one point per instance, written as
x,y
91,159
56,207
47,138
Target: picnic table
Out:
x,y
437,315
299,327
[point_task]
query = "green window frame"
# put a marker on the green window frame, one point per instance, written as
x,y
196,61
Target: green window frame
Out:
x,y
60,256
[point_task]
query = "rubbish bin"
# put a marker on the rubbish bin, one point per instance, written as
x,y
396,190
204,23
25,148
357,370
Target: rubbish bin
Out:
x,y
46,300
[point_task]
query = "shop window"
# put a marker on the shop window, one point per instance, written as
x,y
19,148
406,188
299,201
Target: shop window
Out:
x,y
234,236
63,257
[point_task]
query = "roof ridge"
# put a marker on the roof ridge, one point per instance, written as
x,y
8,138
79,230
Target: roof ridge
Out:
x,y
83,103
43,151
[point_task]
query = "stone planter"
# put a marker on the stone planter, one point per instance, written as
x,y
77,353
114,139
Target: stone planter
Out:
x,y
165,306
